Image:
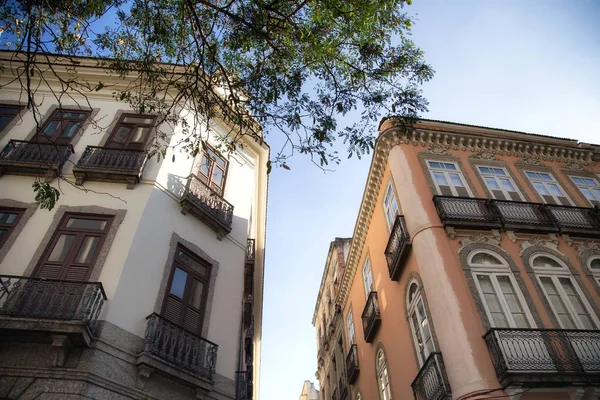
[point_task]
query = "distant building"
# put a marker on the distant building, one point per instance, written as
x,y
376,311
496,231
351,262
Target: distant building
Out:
x,y
309,392
473,273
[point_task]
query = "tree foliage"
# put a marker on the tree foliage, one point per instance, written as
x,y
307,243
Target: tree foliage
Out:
x,y
297,67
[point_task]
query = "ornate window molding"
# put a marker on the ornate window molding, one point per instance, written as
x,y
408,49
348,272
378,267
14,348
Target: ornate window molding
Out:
x,y
425,156
382,373
476,163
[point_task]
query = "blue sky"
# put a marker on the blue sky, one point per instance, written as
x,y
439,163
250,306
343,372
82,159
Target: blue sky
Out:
x,y
531,66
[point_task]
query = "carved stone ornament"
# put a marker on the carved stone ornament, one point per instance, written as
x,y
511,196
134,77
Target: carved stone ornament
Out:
x,y
575,166
494,239
484,155
588,245
437,150
531,161
552,244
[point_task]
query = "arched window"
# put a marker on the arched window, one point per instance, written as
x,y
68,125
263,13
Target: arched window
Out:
x,y
419,323
383,377
504,304
593,264
358,396
562,293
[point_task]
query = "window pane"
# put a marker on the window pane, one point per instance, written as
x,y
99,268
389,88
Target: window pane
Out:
x,y
557,302
499,171
70,115
217,177
440,178
545,177
456,180
190,262
554,189
485,170
121,134
51,128
450,167
587,193
61,248
197,294
492,184
541,188
178,284
434,164
595,264
546,262
138,120
4,120
576,303
411,292
7,218
70,129
204,165
507,185
140,135
514,304
88,224
87,250
531,175
485,259
492,301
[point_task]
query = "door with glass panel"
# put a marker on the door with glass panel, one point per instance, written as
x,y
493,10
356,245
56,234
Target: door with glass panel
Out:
x,y
185,300
131,132
499,183
419,323
61,127
211,169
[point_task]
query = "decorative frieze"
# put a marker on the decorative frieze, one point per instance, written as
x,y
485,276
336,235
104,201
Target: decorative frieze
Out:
x,y
486,155
492,237
551,244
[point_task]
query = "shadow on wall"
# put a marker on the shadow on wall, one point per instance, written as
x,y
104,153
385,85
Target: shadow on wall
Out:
x,y
176,184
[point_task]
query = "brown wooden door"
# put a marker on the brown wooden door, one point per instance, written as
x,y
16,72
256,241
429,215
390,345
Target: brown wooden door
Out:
x,y
74,247
131,132
211,169
62,127
185,300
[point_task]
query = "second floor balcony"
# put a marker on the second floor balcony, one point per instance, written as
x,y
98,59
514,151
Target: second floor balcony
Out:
x,y
343,388
207,205
549,356
110,165
371,317
473,213
352,366
397,247
243,385
34,158
50,306
431,382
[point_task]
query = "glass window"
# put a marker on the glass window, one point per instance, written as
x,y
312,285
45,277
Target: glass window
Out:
x,y
448,179
594,266
212,169
589,187
368,277
7,114
350,324
500,184
390,206
383,377
131,132
62,126
548,188
419,324
9,218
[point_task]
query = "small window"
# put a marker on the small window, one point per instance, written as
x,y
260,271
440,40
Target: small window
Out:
x,y
390,206
212,169
131,132
589,187
9,218
563,294
62,126
350,324
419,324
448,179
499,183
7,114
594,266
383,377
368,277
548,188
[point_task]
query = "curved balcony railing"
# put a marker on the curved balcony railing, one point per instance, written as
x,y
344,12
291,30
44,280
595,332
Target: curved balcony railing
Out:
x,y
522,356
371,317
431,382
37,298
397,247
107,164
466,212
180,347
19,156
352,366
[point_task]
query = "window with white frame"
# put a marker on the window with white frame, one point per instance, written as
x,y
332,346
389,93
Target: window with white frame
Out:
x,y
589,187
548,188
448,179
383,377
350,324
499,183
593,264
368,277
419,323
563,294
390,206
504,304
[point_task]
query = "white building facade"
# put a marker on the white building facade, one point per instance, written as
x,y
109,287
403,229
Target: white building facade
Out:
x,y
145,280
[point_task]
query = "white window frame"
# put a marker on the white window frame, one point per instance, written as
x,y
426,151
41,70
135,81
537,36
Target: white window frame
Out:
x,y
595,273
543,182
496,178
388,207
448,180
383,388
350,325
412,309
554,274
494,271
588,187
368,276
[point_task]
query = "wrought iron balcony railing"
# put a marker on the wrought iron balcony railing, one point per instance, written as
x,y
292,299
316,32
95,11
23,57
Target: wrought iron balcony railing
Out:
x,y
250,249
241,385
34,158
466,212
343,388
207,205
527,356
352,366
371,317
37,298
431,382
112,165
397,247
182,348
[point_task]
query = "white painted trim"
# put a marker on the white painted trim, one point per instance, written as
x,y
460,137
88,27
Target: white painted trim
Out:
x,y
445,172
554,181
496,178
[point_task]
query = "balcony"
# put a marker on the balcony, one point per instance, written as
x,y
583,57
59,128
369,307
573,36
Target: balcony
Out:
x,y
243,385
250,250
431,382
179,348
33,158
207,205
534,356
352,366
110,165
397,247
465,212
49,306
371,317
343,388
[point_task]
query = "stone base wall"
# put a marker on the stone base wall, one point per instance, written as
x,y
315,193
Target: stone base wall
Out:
x,y
43,366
